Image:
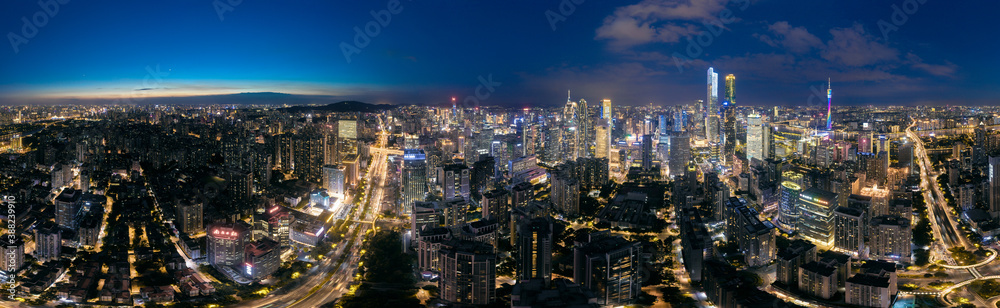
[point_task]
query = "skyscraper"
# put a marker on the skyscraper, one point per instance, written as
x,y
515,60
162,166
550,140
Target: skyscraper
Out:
x,y
757,142
890,238
816,222
865,142
584,128
48,243
788,209
333,179
468,272
712,128
603,147
606,113
729,119
534,250
553,142
730,98
680,153
454,179
829,105
414,178
67,206
189,216
849,224
565,192
713,92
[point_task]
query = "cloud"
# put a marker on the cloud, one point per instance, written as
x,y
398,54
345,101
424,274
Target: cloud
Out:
x,y
947,69
854,47
657,21
794,39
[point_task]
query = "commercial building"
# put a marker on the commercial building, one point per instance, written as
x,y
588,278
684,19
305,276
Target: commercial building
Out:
x,y
227,244
609,267
816,222
261,259
414,179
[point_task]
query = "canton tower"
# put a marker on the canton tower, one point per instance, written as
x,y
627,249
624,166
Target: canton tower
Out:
x,y
829,105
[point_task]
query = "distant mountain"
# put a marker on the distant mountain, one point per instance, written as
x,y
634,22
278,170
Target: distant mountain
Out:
x,y
345,106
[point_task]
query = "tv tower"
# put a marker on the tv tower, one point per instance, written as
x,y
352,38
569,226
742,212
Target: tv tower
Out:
x,y
829,105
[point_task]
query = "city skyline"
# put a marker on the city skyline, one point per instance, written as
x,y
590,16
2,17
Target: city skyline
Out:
x,y
426,54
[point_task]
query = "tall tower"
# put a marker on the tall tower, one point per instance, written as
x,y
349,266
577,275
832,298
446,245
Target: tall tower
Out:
x,y
729,119
583,118
829,104
713,92
414,178
570,125
755,138
606,111
730,89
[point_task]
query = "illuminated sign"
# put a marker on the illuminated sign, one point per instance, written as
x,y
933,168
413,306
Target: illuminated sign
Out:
x,y
249,269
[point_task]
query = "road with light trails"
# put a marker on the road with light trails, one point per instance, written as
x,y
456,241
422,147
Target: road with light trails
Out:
x,y
333,277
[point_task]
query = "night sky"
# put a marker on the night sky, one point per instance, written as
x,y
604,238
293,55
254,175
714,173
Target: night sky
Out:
x,y
935,53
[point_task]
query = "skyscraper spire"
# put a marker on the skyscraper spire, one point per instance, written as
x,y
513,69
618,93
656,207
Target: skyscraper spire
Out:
x,y
829,104
568,96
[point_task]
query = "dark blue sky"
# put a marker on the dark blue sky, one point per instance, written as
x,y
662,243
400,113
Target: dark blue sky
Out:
x,y
944,52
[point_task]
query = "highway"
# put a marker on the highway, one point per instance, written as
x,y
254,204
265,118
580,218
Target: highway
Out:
x,y
332,278
944,225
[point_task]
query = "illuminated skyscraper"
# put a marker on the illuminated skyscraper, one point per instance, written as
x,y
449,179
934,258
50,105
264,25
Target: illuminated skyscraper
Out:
x,y
227,243
712,104
585,139
757,139
414,178
865,142
788,215
606,111
603,138
730,89
816,222
712,128
729,119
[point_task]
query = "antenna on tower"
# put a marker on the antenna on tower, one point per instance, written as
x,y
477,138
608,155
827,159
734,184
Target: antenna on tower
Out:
x,y
568,97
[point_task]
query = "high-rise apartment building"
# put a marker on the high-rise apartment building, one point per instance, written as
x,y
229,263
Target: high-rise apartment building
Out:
x,y
189,216
468,272
849,227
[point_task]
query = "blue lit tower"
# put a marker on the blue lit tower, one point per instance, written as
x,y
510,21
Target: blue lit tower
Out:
x,y
829,105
